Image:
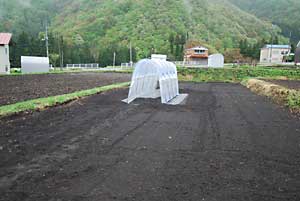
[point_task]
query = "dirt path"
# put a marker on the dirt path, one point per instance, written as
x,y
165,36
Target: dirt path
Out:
x,y
225,144
19,88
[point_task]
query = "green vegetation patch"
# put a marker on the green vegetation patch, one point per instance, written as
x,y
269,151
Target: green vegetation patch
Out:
x,y
42,103
233,74
293,101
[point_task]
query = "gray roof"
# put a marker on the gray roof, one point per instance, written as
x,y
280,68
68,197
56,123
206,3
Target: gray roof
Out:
x,y
198,48
277,46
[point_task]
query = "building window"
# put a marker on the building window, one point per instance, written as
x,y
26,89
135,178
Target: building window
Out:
x,y
6,68
6,51
199,51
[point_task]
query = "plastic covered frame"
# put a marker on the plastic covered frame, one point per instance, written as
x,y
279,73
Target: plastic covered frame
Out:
x,y
153,78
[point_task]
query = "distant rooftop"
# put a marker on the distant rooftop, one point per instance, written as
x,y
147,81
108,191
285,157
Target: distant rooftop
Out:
x,y
268,46
198,48
5,38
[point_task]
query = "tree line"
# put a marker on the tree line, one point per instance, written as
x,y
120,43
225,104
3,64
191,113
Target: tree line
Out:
x,y
62,52
249,52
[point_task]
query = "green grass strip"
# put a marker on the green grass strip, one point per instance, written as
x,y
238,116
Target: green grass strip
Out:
x,y
42,103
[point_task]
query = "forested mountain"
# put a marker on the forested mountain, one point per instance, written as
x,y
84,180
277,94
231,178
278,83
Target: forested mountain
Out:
x,y
28,16
101,27
284,13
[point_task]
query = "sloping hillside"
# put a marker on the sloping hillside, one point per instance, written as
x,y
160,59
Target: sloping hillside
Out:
x,y
284,13
149,24
29,16
161,26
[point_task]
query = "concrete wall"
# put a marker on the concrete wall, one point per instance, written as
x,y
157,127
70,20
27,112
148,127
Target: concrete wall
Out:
x,y
4,59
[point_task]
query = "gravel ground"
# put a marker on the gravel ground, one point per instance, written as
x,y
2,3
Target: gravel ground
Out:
x,y
25,87
225,144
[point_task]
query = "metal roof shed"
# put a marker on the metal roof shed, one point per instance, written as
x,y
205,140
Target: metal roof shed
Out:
x,y
34,64
216,61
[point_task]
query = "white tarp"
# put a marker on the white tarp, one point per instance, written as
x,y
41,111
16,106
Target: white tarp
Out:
x,y
34,64
153,78
216,61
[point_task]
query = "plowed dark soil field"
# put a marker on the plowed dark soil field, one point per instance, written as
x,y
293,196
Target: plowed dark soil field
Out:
x,y
291,84
225,144
19,88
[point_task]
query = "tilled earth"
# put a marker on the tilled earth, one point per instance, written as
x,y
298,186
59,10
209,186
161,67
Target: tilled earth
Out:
x,y
19,88
291,84
225,144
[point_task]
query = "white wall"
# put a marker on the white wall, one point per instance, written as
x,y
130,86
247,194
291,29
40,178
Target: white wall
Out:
x,y
216,61
34,64
276,54
264,56
4,59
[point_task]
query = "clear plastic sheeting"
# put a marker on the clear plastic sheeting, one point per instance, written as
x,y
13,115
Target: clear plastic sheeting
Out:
x,y
216,61
153,78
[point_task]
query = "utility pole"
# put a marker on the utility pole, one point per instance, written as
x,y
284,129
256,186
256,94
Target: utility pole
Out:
x,y
114,60
271,54
131,62
61,51
47,40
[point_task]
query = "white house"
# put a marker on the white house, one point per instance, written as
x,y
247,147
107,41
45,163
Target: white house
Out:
x,y
196,56
4,53
274,53
297,54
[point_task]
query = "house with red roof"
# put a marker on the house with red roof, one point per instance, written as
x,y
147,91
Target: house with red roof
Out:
x,y
196,56
5,39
